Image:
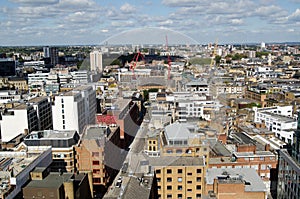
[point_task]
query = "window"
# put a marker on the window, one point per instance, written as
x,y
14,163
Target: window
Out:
x,y
150,142
158,179
169,196
198,195
169,171
179,195
169,187
198,179
179,171
189,182
169,151
96,163
178,151
96,180
179,179
189,174
189,190
179,187
158,171
169,179
97,171
154,142
198,187
199,171
158,187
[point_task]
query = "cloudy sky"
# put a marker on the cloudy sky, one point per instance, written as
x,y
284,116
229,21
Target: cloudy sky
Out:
x,y
59,22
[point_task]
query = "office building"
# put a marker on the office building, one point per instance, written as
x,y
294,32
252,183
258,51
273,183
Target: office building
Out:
x,y
289,169
74,109
7,67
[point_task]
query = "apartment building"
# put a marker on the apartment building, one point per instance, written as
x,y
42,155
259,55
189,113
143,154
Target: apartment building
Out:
x,y
179,177
99,153
62,143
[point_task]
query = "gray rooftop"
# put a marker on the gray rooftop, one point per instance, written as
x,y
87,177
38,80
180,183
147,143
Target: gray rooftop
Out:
x,y
53,180
181,131
175,161
249,175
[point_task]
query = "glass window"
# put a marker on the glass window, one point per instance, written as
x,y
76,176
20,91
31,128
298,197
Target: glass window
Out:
x,y
179,171
169,171
169,187
179,179
169,179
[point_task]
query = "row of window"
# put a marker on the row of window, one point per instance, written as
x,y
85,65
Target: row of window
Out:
x,y
169,196
169,171
179,188
179,179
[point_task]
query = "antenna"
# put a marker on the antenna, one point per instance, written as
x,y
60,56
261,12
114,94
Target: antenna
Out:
x,y
169,60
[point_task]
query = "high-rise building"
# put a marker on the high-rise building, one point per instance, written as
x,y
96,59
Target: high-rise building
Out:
x,y
74,109
53,55
289,169
46,51
96,61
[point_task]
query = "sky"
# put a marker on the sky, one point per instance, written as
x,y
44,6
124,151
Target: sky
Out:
x,y
84,22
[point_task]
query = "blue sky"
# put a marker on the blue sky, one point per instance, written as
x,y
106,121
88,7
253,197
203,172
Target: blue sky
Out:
x,y
59,22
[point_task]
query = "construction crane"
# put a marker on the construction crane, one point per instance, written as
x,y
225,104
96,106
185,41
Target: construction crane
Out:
x,y
135,61
212,62
169,59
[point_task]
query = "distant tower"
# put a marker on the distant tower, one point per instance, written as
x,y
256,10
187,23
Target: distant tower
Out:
x,y
46,51
269,59
53,55
263,45
96,61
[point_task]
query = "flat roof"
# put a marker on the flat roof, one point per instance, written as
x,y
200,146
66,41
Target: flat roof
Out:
x,y
175,161
242,175
53,180
94,133
181,131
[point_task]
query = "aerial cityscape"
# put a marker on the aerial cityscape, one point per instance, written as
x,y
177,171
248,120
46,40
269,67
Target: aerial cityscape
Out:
x,y
159,99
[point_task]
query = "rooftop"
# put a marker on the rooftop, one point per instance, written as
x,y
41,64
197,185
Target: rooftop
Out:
x,y
53,180
248,176
175,161
181,131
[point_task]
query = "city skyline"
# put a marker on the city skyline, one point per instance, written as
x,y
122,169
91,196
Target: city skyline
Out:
x,y
72,22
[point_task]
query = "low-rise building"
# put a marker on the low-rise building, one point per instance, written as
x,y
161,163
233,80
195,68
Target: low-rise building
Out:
x,y
234,183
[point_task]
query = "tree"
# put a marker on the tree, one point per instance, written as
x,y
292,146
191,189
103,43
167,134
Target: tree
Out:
x,y
218,59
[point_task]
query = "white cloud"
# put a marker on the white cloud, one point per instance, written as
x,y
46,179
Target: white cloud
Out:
x,y
237,21
127,8
35,2
295,16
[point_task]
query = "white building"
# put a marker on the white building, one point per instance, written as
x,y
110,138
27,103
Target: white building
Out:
x,y
35,115
74,109
20,120
278,120
96,61
80,77
37,77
